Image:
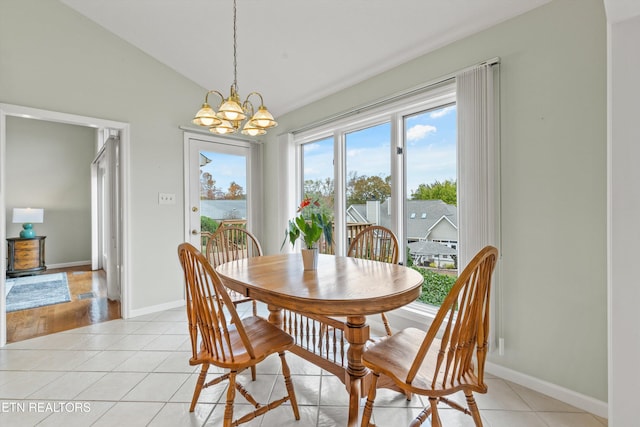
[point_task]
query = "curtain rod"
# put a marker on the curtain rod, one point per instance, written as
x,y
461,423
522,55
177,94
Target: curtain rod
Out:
x,y
395,97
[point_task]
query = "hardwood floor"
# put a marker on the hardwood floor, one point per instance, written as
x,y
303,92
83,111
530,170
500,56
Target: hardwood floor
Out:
x,y
88,305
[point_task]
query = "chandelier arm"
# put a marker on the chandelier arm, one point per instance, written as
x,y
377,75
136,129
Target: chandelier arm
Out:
x,y
206,97
247,107
259,95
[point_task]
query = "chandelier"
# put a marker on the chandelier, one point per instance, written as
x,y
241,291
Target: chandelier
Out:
x,y
232,113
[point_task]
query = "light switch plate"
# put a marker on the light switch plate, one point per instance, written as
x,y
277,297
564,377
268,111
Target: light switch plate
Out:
x,y
166,199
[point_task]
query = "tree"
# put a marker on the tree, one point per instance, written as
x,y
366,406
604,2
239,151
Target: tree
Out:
x,y
445,191
363,188
235,192
323,191
208,187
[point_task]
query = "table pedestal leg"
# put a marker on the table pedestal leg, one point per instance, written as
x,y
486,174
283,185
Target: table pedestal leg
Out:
x,y
275,315
357,333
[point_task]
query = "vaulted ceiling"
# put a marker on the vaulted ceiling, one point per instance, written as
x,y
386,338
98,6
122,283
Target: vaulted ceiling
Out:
x,y
293,51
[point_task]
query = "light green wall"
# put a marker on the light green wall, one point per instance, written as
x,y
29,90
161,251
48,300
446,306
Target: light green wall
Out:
x,y
553,130
48,165
553,159
52,58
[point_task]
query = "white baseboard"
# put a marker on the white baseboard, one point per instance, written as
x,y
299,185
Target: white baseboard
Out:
x,y
156,308
570,397
68,264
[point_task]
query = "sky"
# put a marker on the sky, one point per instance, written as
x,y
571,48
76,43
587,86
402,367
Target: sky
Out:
x,y
225,168
430,150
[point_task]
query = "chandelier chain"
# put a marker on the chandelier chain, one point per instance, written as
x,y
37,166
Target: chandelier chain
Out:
x,y
232,113
235,48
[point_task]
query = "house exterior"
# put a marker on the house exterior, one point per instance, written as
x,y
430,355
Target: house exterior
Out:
x,y
429,221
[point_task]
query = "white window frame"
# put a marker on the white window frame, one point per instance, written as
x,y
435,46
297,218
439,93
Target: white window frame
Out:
x,y
393,109
393,113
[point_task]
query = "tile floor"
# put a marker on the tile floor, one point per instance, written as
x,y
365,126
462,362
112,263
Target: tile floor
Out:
x,y
135,373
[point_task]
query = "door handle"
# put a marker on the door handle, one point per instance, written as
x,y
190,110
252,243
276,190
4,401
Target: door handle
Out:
x,y
194,232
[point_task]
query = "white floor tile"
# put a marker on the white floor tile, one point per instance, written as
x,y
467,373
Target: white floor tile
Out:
x,y
177,361
82,414
177,414
133,342
21,413
112,386
540,402
166,342
129,414
106,361
156,387
142,361
136,372
514,418
67,386
96,341
20,384
209,395
565,419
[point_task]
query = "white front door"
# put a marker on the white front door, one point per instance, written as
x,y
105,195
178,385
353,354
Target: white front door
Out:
x,y
220,185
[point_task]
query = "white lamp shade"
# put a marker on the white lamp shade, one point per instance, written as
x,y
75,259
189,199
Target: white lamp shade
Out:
x,y
28,215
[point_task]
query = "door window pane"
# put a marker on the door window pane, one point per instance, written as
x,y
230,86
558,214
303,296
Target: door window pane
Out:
x,y
223,184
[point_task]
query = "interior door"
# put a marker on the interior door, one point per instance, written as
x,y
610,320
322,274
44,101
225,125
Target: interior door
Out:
x,y
107,251
220,186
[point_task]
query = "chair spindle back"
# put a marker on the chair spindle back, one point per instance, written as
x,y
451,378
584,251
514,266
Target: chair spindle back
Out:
x,y
208,304
465,315
376,243
230,243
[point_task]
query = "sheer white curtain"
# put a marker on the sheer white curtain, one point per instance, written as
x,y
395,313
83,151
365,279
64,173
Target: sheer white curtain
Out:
x,y
478,162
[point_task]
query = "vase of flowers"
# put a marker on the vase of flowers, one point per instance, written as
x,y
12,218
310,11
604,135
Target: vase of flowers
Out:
x,y
309,226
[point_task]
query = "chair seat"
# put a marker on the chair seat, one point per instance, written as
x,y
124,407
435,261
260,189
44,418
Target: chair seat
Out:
x,y
265,338
393,356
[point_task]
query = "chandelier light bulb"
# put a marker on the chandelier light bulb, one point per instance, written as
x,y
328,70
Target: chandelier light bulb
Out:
x,y
224,128
206,116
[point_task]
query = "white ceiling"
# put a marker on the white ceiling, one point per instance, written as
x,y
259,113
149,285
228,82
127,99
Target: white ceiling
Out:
x,y
293,51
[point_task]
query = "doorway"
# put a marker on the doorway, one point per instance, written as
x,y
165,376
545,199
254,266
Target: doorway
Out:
x,y
222,185
102,128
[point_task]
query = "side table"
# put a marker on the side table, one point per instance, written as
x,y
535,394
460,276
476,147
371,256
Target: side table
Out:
x,y
25,256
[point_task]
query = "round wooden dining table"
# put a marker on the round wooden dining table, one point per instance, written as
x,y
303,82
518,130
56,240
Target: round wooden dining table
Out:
x,y
341,286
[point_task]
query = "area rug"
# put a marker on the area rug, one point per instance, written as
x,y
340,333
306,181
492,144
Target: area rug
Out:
x,y
36,291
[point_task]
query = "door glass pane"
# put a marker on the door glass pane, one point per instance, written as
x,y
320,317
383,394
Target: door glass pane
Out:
x,y
431,218
223,190
368,168
317,175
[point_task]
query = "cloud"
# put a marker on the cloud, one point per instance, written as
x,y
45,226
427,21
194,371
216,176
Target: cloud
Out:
x,y
442,112
419,131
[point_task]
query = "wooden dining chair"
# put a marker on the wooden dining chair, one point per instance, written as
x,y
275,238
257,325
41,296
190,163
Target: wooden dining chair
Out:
x,y
377,243
227,341
230,243
419,362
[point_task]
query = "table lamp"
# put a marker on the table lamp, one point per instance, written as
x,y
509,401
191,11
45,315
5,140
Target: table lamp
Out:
x,y
28,216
